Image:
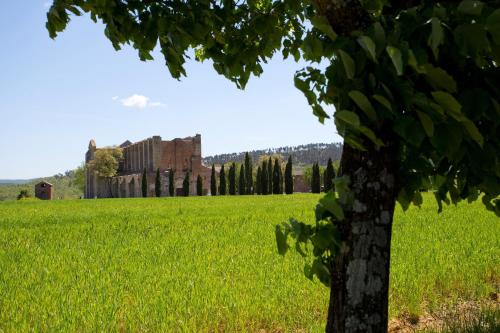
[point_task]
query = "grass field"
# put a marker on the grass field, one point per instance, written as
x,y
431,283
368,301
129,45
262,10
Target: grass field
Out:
x,y
210,264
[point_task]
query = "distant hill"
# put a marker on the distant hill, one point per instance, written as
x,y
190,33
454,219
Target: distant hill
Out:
x,y
64,186
301,155
15,181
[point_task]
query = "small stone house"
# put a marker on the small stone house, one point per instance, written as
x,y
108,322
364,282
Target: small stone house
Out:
x,y
43,190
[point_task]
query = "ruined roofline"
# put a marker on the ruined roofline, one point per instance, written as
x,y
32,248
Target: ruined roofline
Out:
x,y
128,143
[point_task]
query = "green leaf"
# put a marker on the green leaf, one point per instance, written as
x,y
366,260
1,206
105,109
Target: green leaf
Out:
x,y
417,199
471,39
449,104
326,236
387,91
473,132
493,25
437,36
410,130
348,117
379,35
396,57
412,61
371,135
281,241
427,123
439,78
369,46
384,101
330,203
321,23
349,65
321,271
471,7
363,103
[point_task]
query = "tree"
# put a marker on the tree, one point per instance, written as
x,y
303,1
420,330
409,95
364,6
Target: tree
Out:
x,y
242,181
79,177
277,177
412,86
171,182
23,194
288,176
328,176
222,181
264,178
213,182
316,179
280,170
144,184
158,183
232,179
185,185
270,175
105,165
199,185
248,174
258,181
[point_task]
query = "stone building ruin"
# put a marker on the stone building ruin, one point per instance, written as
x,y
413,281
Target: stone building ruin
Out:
x,y
180,155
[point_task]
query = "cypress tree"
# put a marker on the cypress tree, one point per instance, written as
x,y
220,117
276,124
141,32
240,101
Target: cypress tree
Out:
x,y
199,185
289,176
232,179
171,184
328,176
158,183
242,181
270,175
258,181
281,179
185,185
248,174
144,184
213,182
264,180
316,179
276,177
222,181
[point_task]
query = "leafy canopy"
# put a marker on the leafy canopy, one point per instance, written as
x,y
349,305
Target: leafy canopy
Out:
x,y
105,162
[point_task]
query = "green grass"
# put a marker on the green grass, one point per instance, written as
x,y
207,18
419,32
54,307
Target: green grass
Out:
x,y
211,264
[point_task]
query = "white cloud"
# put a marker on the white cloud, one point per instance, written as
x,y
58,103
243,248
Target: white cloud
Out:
x,y
138,101
47,4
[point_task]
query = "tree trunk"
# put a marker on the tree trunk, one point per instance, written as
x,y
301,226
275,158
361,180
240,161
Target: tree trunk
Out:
x,y
360,273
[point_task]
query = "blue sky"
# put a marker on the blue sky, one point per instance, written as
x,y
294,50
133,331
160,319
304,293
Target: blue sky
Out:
x,y
55,95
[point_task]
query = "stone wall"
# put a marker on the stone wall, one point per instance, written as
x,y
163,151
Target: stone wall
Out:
x,y
180,155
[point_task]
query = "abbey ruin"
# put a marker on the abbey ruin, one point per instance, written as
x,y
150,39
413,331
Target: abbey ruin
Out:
x,y
181,155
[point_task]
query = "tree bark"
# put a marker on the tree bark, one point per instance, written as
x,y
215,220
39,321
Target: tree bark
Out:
x,y
360,272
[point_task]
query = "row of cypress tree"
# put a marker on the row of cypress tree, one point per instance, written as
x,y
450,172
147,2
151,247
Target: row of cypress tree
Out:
x,y
245,183
328,176
171,189
269,179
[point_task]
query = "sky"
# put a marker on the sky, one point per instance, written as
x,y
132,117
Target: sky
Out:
x,y
56,95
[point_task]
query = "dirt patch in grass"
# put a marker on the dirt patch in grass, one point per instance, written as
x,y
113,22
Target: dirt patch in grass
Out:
x,y
462,317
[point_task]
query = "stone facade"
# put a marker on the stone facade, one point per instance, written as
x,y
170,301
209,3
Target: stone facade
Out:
x,y
180,155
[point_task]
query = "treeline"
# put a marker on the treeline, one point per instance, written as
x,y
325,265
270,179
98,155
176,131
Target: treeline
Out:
x,y
270,178
302,155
